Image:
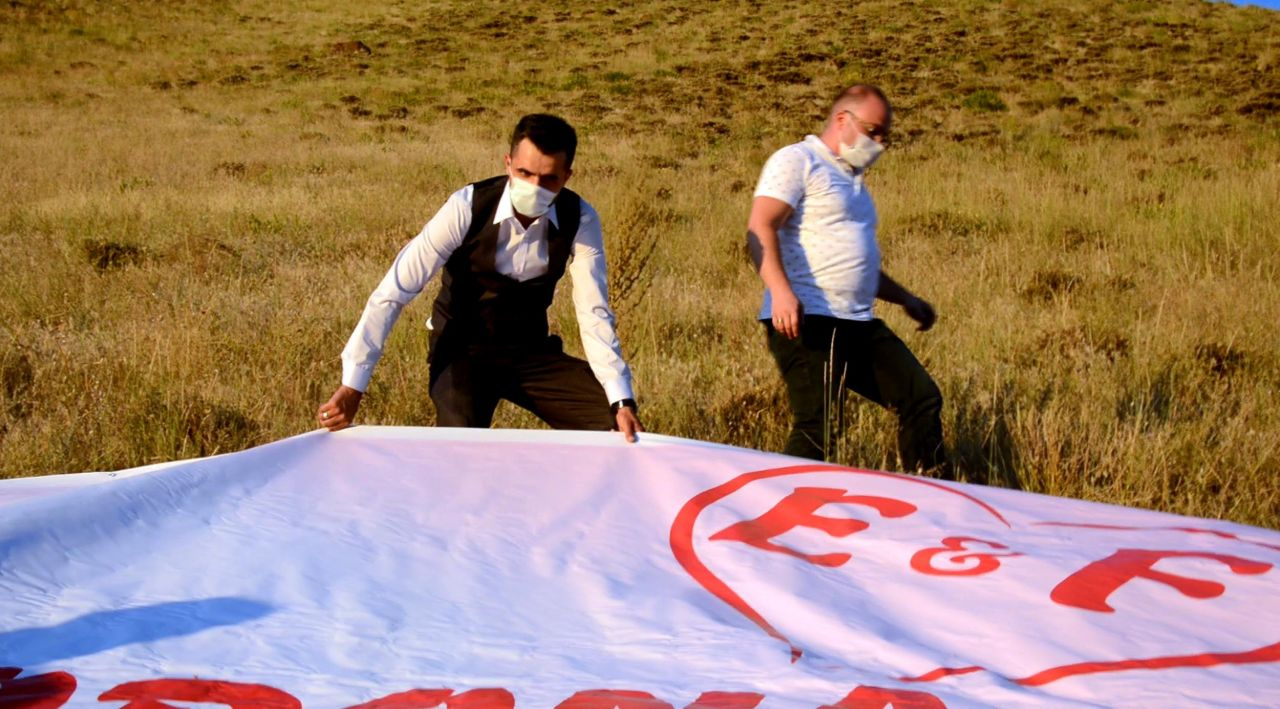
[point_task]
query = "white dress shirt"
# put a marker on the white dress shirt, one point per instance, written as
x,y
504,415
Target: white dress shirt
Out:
x,y
522,255
828,244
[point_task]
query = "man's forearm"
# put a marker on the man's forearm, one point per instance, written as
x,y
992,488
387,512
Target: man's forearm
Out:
x,y
604,356
891,291
917,308
364,347
597,324
765,255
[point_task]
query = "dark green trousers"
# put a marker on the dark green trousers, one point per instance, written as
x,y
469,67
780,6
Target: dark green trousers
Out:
x,y
874,363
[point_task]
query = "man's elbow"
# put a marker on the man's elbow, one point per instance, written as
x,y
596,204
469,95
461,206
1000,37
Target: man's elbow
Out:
x,y
600,312
753,249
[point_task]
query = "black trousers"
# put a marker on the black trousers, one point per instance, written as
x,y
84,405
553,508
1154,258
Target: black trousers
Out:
x,y
557,388
872,362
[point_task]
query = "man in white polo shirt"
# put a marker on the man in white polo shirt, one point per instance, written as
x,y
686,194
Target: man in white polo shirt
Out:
x,y
501,246
812,234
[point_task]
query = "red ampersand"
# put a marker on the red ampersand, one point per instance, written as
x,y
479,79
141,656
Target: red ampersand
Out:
x,y
987,562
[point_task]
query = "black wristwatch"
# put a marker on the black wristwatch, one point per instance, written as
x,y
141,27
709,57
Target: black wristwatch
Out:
x,y
629,403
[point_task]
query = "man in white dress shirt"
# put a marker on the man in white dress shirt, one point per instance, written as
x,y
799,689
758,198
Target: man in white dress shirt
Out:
x,y
812,234
501,245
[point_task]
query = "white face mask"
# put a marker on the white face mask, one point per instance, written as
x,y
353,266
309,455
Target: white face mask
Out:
x,y
530,199
862,153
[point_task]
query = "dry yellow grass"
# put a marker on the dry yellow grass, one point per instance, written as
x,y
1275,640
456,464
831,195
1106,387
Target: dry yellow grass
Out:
x,y
196,198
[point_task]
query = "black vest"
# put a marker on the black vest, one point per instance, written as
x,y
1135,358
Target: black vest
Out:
x,y
477,306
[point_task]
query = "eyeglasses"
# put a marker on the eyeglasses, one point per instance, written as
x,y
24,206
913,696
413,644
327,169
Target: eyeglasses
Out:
x,y
872,130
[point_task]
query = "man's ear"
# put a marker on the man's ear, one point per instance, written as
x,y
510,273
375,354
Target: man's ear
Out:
x,y
567,175
506,161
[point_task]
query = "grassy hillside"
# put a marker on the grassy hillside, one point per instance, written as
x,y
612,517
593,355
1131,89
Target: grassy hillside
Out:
x,y
197,197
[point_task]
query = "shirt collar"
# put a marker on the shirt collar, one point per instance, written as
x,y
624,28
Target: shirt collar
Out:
x,y
816,145
505,210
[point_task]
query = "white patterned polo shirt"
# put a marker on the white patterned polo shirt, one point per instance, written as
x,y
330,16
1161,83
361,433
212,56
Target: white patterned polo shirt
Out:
x,y
828,244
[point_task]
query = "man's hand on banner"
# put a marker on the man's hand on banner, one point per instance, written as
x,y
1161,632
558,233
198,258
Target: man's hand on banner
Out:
x,y
340,410
627,420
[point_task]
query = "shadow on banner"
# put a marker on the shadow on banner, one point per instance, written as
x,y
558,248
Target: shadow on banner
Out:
x,y
105,630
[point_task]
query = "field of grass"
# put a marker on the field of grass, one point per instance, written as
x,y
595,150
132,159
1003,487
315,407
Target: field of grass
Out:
x,y
197,197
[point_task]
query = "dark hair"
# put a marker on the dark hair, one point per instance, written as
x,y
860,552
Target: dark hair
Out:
x,y
549,134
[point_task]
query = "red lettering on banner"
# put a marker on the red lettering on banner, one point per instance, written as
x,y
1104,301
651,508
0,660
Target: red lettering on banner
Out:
x,y
412,699
682,543
727,700
934,675
879,698
1090,587
46,691
799,510
1268,653
612,699
922,561
487,698
148,694
1189,530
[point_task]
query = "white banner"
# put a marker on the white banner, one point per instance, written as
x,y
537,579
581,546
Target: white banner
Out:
x,y
399,568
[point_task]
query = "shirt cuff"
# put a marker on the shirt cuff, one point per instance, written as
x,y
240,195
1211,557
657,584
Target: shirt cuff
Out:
x,y
356,376
618,390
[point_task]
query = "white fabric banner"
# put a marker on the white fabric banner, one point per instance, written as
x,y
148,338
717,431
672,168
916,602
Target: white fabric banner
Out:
x,y
402,567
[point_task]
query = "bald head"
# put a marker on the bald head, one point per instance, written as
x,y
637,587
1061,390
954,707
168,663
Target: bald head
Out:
x,y
861,109
856,96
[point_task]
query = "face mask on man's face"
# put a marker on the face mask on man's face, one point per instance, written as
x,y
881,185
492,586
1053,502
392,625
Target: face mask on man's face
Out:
x,y
530,199
862,153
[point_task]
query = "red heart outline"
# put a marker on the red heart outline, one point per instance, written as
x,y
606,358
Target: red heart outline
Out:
x,y
681,538
681,541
